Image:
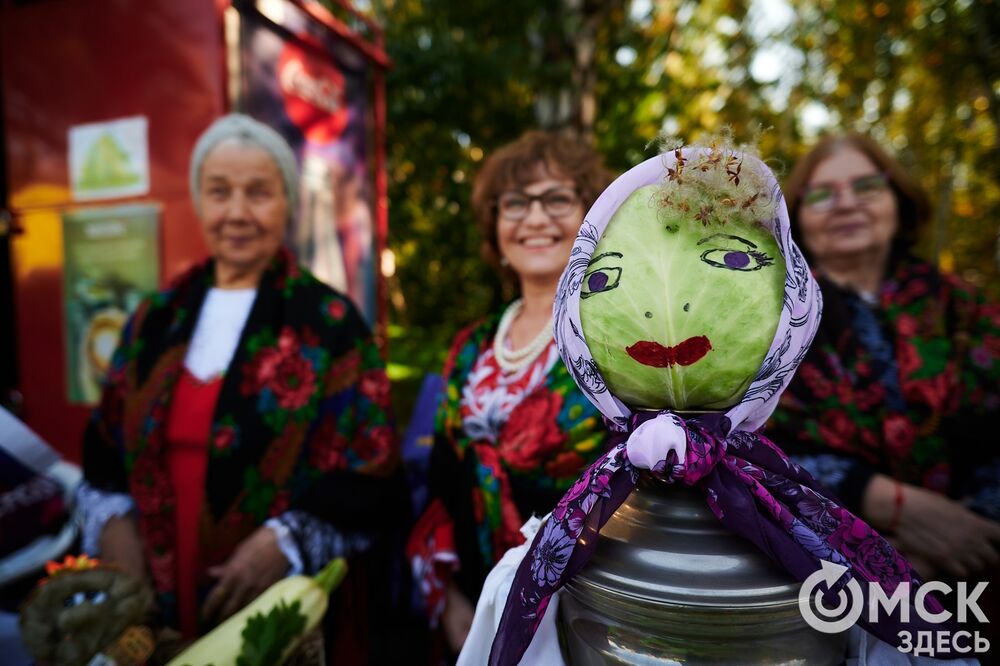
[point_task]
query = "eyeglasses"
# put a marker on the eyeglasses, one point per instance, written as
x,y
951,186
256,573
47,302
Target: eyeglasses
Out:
x,y
865,188
557,202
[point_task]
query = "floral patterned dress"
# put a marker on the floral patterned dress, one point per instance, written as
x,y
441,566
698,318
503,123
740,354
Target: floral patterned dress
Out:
x,y
507,445
301,428
907,386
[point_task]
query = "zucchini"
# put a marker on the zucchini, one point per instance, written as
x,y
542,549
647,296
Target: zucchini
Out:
x,y
302,596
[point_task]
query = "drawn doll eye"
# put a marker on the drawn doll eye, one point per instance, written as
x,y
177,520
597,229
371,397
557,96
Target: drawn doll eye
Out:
x,y
600,280
736,260
743,257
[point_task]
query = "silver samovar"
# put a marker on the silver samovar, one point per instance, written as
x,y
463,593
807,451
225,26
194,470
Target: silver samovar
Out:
x,y
668,584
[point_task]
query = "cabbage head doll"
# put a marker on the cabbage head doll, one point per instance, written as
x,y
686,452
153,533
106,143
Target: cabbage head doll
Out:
x,y
681,297
682,314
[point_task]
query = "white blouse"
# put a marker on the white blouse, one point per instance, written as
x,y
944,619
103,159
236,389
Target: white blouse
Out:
x,y
217,333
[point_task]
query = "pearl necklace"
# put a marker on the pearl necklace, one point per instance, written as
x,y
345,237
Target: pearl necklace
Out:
x,y
515,361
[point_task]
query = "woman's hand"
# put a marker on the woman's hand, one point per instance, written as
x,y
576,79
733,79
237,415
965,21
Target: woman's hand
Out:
x,y
457,617
255,565
938,532
121,547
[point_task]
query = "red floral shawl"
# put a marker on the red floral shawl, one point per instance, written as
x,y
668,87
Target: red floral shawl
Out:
x,y
302,420
489,489
945,340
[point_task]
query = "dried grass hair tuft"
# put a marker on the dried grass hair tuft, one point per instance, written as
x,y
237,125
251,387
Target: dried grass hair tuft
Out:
x,y
713,183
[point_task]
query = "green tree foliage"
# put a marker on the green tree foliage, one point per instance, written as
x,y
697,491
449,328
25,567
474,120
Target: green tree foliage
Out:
x,y
922,76
467,78
462,83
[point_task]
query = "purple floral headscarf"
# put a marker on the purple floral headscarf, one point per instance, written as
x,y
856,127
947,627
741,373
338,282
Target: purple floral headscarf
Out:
x,y
749,483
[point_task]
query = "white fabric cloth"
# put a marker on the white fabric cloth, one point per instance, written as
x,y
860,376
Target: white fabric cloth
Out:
x,y
309,543
286,544
94,508
544,648
217,333
22,447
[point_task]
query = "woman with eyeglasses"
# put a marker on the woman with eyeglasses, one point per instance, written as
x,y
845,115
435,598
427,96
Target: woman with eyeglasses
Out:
x,y
893,406
513,431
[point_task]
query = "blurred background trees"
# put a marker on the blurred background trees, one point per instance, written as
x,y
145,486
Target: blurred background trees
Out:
x,y
922,76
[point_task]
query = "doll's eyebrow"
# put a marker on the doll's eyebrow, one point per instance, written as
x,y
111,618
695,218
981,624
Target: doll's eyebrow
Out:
x,y
602,256
737,238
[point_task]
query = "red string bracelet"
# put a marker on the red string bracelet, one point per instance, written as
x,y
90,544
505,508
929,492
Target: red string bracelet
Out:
x,y
897,511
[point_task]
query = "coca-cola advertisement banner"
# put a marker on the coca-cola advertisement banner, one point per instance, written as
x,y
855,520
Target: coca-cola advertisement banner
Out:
x,y
315,88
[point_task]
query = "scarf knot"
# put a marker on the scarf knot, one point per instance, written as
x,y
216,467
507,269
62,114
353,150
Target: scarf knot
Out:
x,y
679,450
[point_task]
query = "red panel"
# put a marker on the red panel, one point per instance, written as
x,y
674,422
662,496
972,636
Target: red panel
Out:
x,y
66,63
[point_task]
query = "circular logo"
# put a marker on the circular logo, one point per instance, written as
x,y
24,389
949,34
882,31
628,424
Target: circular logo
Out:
x,y
313,91
816,614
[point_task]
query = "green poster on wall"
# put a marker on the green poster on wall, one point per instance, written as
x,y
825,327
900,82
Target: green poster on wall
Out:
x,y
111,262
109,159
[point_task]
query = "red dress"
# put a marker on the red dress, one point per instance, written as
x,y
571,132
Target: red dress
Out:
x,y
188,431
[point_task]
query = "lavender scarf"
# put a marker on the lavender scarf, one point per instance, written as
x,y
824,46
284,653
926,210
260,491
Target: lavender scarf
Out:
x,y
749,483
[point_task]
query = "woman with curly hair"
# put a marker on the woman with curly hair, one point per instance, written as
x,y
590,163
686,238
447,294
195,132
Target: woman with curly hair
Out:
x,y
513,431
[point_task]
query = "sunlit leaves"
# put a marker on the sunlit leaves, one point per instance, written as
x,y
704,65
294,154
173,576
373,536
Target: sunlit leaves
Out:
x,y
922,76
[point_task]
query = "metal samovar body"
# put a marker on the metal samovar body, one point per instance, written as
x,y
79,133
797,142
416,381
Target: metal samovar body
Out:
x,y
668,584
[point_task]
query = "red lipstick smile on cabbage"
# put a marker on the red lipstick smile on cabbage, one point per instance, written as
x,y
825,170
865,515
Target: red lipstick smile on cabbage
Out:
x,y
656,355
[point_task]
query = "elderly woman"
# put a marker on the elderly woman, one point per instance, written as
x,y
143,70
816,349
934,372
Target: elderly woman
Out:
x,y
244,432
514,431
891,405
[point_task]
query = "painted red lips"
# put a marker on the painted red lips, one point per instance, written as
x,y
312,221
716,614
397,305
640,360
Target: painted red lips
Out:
x,y
656,355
